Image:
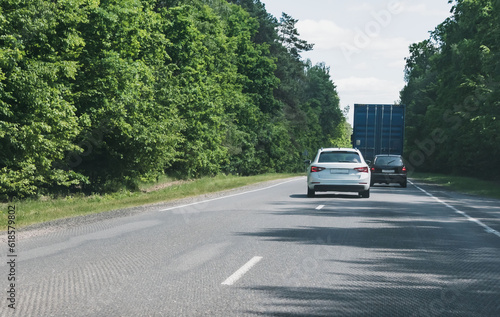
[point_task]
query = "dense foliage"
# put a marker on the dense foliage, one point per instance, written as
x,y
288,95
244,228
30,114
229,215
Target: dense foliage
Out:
x,y
453,93
96,94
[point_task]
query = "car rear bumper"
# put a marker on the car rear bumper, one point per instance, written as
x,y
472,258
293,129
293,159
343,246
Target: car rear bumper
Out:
x,y
387,178
341,188
341,182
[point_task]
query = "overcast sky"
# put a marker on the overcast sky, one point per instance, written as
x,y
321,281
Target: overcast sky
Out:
x,y
363,42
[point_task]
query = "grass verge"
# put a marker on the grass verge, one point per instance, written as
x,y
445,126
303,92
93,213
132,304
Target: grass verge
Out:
x,y
467,185
32,211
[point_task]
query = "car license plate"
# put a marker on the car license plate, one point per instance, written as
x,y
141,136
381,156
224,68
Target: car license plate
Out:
x,y
387,171
339,171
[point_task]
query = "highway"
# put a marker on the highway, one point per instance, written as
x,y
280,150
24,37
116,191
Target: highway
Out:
x,y
268,250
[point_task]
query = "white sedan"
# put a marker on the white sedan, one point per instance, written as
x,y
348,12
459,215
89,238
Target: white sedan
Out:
x,y
338,169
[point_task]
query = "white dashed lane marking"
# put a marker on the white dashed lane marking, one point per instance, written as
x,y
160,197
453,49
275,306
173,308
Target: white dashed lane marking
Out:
x,y
241,271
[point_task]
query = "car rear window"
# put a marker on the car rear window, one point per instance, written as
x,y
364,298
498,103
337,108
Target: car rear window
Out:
x,y
337,157
388,161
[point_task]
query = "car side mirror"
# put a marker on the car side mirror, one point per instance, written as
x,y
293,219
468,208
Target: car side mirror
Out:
x,y
368,162
307,162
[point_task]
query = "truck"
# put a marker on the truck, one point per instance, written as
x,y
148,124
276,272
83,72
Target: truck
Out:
x,y
378,129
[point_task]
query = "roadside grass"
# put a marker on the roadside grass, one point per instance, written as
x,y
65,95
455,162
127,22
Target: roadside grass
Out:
x,y
467,185
32,211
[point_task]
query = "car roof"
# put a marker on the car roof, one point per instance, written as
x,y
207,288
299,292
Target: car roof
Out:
x,y
395,155
339,149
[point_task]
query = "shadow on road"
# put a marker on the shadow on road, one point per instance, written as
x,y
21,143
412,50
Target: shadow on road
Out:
x,y
398,259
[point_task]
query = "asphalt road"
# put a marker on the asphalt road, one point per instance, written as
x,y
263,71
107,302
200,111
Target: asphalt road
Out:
x,y
270,251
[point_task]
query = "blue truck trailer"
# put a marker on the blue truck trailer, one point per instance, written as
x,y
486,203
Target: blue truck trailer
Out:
x,y
378,129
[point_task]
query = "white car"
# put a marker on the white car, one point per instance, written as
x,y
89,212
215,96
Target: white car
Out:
x,y
338,169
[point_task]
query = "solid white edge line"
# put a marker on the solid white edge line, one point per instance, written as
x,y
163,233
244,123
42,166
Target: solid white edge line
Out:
x,y
228,196
320,207
486,227
241,271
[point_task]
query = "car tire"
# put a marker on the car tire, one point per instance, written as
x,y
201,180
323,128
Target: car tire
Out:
x,y
310,192
404,184
365,194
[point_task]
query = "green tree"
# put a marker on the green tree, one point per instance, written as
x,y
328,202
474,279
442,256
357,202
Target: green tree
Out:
x,y
205,79
119,93
289,37
420,93
326,121
452,90
39,45
95,94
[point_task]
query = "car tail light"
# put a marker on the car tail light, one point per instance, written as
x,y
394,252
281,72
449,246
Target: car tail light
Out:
x,y
373,169
362,169
404,169
315,169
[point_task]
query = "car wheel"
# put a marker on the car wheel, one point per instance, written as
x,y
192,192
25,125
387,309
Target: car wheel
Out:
x,y
403,184
365,194
310,192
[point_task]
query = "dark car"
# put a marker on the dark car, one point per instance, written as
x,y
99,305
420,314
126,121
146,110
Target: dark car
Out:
x,y
388,169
